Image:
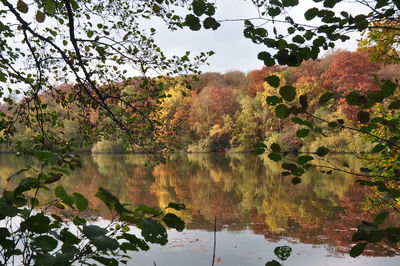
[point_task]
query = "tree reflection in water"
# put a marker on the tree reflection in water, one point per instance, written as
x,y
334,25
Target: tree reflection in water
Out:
x,y
242,190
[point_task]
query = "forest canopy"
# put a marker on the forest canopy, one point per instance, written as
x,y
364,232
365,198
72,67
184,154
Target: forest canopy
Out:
x,y
228,112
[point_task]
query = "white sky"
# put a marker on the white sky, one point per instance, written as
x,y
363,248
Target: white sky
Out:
x,y
233,50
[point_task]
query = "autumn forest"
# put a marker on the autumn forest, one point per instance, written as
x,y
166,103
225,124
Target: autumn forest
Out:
x,y
216,112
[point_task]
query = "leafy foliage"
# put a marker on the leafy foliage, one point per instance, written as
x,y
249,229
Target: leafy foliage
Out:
x,y
103,102
362,97
282,252
66,86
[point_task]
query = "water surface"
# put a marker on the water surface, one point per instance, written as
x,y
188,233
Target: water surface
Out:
x,y
256,207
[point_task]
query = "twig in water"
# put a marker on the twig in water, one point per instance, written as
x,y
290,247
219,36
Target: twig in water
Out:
x,y
215,239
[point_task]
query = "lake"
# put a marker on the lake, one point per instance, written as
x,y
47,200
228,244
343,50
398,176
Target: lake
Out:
x,y
257,209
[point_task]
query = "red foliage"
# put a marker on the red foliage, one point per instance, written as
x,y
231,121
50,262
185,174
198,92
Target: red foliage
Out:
x,y
256,79
212,103
350,71
310,68
222,101
207,79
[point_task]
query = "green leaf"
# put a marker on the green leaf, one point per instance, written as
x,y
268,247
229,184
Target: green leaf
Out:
x,y
274,11
288,93
211,23
258,151
333,124
156,8
304,159
299,121
365,170
378,148
266,57
3,77
93,231
273,81
363,117
273,263
298,171
325,98
173,221
302,133
275,157
81,202
8,210
68,237
394,105
298,39
263,55
355,98
45,259
111,201
296,180
104,243
388,88
59,205
273,100
345,164
22,6
44,155
148,210
260,145
283,252
210,9
137,242
311,13
375,97
392,234
322,151
289,166
60,193
89,33
303,101
308,35
275,147
380,218
282,111
331,3
78,221
153,231
19,201
50,6
288,3
199,7
192,22
38,223
357,250
40,16
381,3
4,233
45,243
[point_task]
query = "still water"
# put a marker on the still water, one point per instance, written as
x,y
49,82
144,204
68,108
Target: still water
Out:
x,y
256,208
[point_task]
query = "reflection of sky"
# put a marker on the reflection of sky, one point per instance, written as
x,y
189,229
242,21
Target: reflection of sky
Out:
x,y
194,248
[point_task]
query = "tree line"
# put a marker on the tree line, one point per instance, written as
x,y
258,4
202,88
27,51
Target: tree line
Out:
x,y
215,112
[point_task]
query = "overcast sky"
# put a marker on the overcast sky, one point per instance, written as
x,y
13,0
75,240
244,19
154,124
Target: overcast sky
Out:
x,y
233,51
